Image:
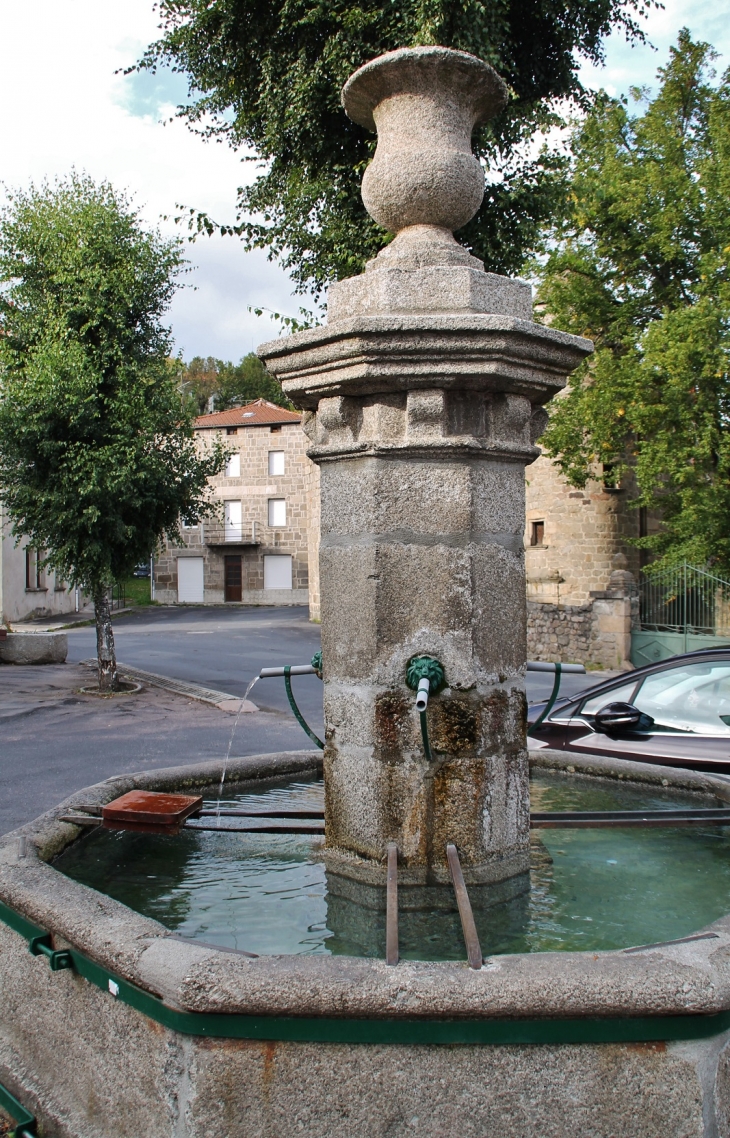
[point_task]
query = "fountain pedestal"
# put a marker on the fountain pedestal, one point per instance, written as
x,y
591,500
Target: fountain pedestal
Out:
x,y
424,396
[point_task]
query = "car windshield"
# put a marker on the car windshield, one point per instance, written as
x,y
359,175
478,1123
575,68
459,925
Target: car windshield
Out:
x,y
691,697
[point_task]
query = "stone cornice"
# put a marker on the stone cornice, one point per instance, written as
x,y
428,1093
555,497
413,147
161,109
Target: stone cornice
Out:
x,y
384,354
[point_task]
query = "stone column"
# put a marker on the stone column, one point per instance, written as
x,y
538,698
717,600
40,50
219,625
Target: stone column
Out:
x,y
424,394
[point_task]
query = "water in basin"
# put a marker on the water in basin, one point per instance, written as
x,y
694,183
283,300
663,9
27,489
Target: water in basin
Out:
x,y
589,889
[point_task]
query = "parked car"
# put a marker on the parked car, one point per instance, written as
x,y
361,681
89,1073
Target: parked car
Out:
x,y
676,713
142,570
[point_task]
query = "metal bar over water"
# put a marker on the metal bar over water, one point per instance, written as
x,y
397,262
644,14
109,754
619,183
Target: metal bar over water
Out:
x,y
262,814
391,906
574,819
471,938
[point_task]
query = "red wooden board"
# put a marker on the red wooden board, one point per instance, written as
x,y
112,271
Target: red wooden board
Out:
x,y
152,808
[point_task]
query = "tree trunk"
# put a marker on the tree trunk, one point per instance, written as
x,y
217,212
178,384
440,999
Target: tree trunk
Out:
x,y
105,652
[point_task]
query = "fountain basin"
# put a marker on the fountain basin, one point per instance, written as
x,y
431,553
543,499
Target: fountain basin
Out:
x,y
198,1040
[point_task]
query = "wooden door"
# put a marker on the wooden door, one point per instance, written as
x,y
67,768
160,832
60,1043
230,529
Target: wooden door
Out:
x,y
233,578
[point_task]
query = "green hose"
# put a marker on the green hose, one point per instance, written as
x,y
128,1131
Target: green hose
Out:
x,y
549,705
424,735
293,705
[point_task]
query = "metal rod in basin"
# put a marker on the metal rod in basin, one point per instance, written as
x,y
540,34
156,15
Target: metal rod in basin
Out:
x,y
391,906
471,937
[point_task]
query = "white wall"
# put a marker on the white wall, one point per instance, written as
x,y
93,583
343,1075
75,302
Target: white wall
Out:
x,y
16,602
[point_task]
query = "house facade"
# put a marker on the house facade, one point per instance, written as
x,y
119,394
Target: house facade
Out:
x,y
256,549
28,590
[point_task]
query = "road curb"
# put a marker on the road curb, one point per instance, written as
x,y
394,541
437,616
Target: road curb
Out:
x,y
224,701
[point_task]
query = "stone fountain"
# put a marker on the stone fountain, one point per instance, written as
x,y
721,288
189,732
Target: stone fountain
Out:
x,y
424,395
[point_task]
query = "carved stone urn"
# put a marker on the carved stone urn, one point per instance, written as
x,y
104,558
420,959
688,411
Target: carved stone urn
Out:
x,y
423,395
424,104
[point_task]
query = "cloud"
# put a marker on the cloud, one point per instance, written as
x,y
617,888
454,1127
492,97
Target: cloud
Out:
x,y
156,95
67,104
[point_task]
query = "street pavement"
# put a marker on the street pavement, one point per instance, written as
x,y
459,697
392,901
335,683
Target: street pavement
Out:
x,y
55,740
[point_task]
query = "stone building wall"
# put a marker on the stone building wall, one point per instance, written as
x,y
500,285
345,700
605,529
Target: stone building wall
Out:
x,y
313,513
574,541
583,531
255,486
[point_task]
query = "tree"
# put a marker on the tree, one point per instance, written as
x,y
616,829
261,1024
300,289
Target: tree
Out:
x,y
640,263
96,459
231,384
267,77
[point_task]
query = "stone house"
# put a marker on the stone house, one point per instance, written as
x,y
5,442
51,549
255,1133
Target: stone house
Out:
x,y
256,549
27,590
582,600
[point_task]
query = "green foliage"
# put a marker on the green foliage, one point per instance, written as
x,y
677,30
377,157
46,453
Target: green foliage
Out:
x,y
267,79
231,384
640,263
96,459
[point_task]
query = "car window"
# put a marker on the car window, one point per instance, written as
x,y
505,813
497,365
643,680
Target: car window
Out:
x,y
692,697
621,694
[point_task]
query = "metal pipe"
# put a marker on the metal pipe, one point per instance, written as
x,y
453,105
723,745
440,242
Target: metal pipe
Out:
x,y
317,814
424,687
294,670
548,666
471,937
391,907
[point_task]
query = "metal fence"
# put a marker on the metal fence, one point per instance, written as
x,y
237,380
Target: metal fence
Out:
x,y
685,599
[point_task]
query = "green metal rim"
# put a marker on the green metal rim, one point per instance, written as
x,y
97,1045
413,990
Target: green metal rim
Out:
x,y
25,1121
405,1032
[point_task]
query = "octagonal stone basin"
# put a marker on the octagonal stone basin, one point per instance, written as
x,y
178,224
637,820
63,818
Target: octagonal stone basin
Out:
x,y
149,1033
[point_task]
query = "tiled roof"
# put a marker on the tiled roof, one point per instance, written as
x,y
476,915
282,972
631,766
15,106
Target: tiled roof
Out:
x,y
260,413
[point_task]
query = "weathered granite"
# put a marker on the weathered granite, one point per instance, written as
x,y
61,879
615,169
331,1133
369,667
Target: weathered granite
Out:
x,y
34,648
91,1067
424,396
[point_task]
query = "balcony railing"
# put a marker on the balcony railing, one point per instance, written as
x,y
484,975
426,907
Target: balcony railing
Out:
x,y
231,533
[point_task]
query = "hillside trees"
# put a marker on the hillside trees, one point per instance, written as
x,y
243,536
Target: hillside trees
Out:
x,y
97,461
230,384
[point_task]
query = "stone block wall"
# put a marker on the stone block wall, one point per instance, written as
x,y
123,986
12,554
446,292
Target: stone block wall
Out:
x,y
597,634
583,530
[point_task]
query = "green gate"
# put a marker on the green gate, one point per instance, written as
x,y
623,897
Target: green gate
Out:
x,y
681,609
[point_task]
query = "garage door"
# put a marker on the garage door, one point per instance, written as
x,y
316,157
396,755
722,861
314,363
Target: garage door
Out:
x,y
277,572
190,580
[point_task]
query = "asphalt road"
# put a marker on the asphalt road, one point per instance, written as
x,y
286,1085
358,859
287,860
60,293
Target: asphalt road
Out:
x,y
55,740
224,648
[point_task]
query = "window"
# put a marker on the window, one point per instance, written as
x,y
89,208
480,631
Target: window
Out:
x,y
276,462
233,466
277,511
231,430
610,478
537,533
33,570
277,572
622,694
233,526
275,430
692,697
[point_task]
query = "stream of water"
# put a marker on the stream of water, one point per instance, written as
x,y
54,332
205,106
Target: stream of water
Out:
x,y
227,755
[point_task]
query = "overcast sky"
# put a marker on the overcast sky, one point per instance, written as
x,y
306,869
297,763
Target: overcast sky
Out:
x,y
64,106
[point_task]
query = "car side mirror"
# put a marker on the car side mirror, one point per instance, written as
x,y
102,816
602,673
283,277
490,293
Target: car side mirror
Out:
x,y
616,718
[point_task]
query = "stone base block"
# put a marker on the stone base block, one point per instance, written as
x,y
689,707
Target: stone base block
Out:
x,y
366,872
34,648
88,1065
